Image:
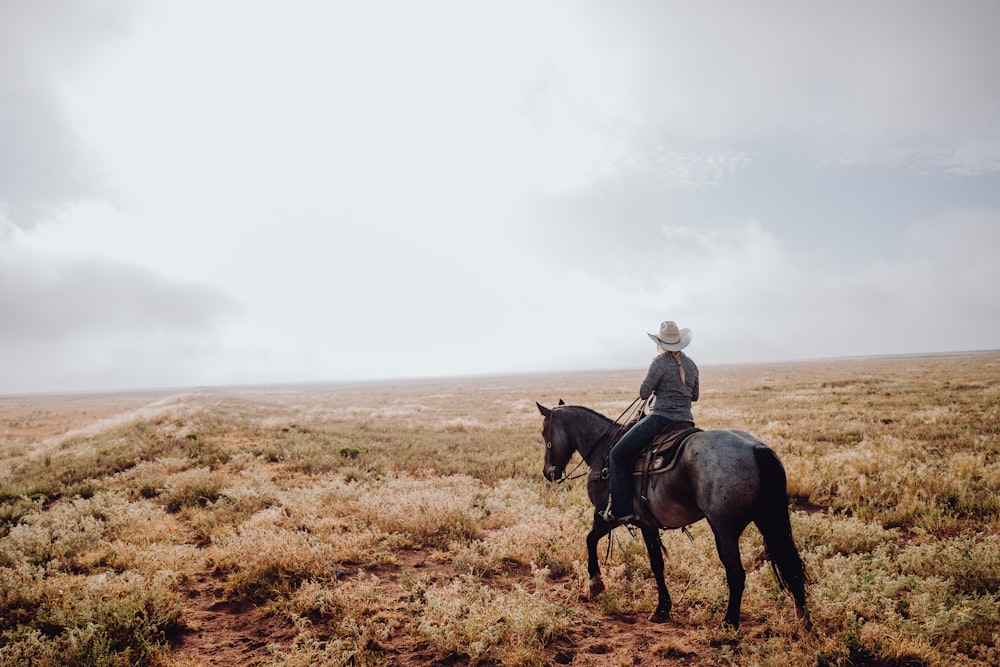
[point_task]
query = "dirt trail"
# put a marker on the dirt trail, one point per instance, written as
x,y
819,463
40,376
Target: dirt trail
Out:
x,y
44,421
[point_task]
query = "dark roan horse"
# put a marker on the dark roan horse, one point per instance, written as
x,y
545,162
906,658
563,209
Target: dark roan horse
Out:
x,y
727,477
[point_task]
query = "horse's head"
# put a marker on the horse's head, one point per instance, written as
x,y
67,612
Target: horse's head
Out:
x,y
558,446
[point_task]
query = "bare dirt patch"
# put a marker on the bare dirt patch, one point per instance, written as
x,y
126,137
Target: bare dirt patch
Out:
x,y
222,632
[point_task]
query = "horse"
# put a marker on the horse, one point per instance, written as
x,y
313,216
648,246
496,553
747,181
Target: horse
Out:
x,y
728,477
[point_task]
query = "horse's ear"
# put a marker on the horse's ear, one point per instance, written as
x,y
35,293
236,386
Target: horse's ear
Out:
x,y
544,410
562,402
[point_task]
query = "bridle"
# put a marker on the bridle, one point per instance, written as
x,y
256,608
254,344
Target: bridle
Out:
x,y
584,457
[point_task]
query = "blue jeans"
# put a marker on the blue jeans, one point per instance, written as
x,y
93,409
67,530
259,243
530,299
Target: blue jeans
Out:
x,y
622,455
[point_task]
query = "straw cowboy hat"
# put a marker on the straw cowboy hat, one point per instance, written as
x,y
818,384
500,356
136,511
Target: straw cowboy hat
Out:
x,y
671,338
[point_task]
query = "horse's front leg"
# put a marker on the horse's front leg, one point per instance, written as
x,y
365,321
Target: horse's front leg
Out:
x,y
651,536
599,529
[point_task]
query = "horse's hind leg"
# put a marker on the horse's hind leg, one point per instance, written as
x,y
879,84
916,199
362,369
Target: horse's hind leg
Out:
x,y
599,529
728,544
651,536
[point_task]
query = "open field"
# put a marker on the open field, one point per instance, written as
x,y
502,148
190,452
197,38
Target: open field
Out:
x,y
408,524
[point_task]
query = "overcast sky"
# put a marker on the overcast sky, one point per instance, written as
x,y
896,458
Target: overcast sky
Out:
x,y
203,192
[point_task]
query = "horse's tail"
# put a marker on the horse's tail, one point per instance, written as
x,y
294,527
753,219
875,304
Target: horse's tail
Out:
x,y
773,521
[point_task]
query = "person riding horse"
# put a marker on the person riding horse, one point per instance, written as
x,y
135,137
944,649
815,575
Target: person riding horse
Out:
x,y
672,380
726,476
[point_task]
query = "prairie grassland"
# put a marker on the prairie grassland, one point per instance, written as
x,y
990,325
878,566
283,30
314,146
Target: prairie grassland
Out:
x,y
408,523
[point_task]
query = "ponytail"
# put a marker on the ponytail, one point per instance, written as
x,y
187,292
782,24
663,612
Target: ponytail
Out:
x,y
680,369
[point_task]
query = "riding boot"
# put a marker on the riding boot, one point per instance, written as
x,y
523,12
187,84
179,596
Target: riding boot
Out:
x,y
620,461
608,516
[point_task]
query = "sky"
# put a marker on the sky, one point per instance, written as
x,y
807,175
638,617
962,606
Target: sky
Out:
x,y
220,192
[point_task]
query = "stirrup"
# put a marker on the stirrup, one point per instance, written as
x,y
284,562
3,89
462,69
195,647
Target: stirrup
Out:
x,y
608,516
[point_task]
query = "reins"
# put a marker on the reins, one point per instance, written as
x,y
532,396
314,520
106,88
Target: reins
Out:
x,y
584,457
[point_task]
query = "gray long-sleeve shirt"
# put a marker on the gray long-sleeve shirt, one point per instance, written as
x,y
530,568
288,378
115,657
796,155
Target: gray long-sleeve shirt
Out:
x,y
673,399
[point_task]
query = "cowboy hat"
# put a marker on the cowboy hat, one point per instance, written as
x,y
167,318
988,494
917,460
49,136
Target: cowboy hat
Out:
x,y
671,338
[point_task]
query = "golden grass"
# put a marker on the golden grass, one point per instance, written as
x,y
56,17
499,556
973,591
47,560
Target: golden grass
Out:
x,y
385,521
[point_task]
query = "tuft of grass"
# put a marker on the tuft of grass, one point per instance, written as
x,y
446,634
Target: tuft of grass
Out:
x,y
198,487
70,620
430,512
63,536
262,562
512,627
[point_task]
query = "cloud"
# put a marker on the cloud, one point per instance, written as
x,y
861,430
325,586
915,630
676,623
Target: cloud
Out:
x,y
313,192
825,123
86,324
898,83
73,319
751,297
44,166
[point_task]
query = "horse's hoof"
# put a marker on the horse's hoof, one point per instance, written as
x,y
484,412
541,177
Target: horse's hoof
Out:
x,y
596,588
659,617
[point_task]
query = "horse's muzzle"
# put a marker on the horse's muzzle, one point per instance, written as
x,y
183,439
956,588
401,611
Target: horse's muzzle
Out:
x,y
552,473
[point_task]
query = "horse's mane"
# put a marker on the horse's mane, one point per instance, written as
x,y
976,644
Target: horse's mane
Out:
x,y
585,408
591,411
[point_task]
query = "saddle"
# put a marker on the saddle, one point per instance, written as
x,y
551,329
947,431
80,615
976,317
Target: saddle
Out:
x,y
661,453
660,456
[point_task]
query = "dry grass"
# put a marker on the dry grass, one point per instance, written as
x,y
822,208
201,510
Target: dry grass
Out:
x,y
408,523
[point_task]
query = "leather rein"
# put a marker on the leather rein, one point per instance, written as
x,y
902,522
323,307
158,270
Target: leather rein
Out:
x,y
584,457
